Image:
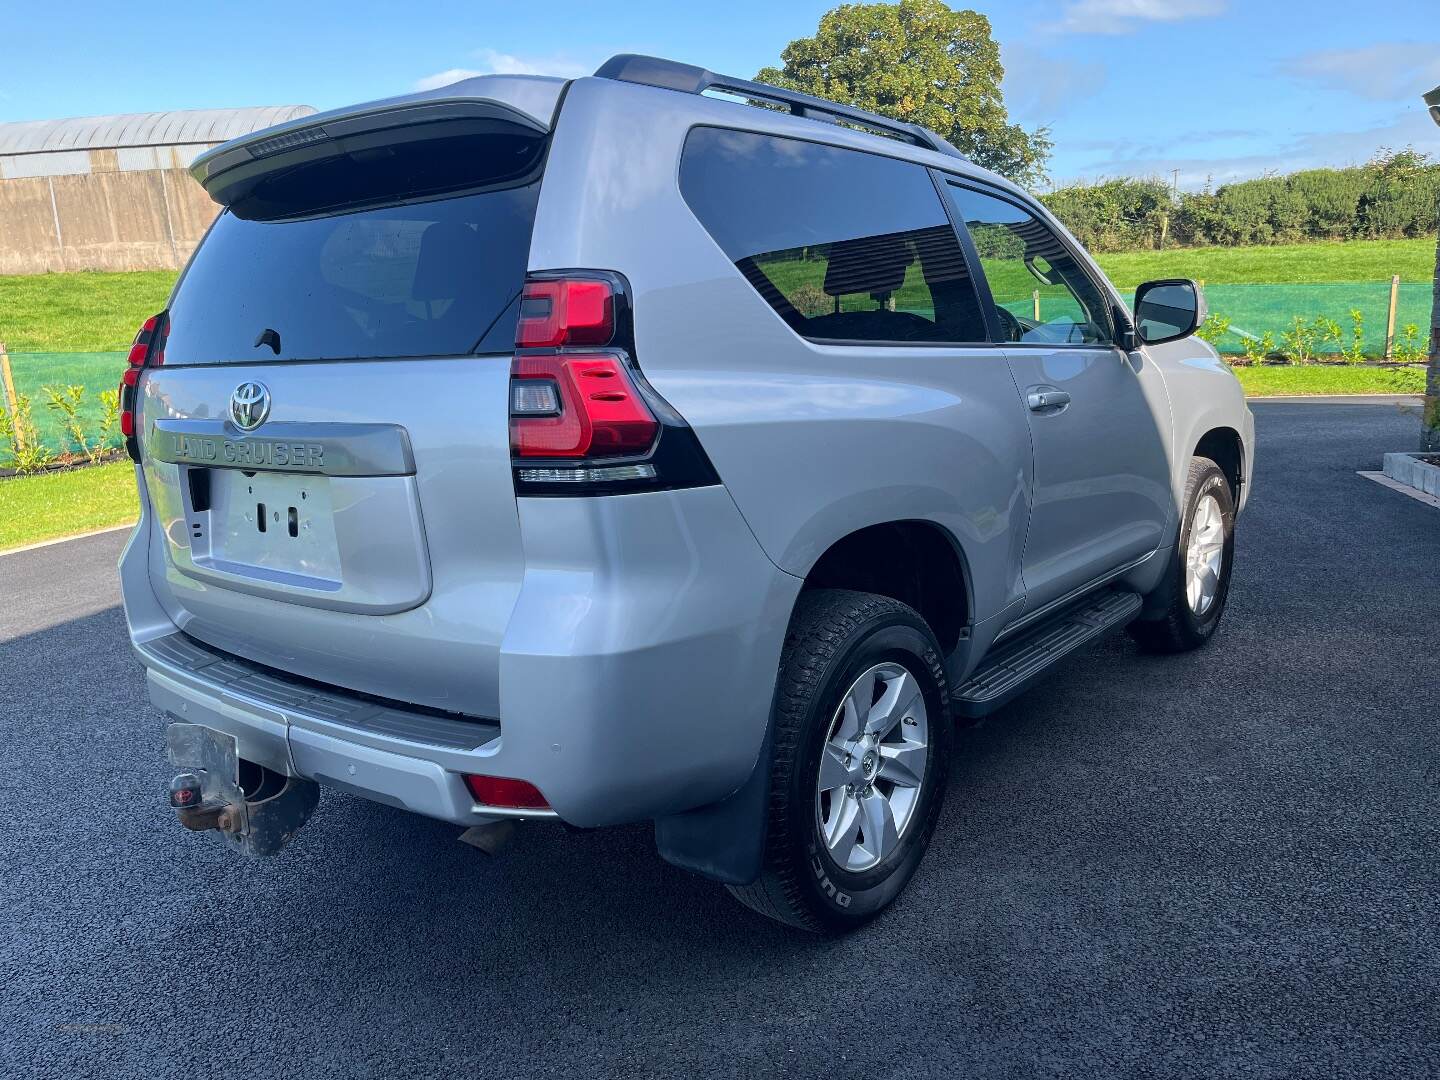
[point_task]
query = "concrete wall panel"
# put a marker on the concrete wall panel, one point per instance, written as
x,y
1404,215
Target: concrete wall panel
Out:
x,y
27,228
109,220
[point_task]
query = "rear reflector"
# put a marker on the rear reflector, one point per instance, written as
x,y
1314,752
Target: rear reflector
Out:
x,y
560,312
503,792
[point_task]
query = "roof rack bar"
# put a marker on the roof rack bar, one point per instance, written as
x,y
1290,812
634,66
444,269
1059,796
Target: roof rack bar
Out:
x,y
688,79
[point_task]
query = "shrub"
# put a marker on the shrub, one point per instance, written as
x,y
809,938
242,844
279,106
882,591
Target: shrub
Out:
x,y
1392,197
1409,346
66,401
1301,343
1259,349
1213,329
109,429
25,452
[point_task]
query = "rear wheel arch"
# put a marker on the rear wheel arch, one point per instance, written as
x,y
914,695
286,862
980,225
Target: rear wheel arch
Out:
x,y
916,562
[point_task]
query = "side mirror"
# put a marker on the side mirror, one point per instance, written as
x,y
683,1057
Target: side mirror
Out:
x,y
1168,310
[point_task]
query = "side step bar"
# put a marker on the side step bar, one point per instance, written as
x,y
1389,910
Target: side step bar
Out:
x,y
1017,664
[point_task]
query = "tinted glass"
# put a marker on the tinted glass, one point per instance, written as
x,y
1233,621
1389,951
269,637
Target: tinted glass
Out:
x,y
1166,311
845,246
437,278
1041,293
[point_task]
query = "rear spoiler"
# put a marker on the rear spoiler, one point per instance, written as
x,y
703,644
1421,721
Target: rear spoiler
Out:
x,y
231,170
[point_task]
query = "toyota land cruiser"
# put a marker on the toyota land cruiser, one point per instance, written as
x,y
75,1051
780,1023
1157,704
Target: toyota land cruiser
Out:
x,y
611,450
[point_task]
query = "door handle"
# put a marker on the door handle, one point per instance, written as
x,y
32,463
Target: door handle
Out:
x,y
1046,400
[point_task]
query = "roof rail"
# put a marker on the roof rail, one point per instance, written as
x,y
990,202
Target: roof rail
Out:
x,y
688,79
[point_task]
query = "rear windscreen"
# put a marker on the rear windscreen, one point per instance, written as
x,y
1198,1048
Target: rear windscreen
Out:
x,y
432,278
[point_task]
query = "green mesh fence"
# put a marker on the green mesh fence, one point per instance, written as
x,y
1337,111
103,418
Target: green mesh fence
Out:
x,y
96,372
1252,310
1255,310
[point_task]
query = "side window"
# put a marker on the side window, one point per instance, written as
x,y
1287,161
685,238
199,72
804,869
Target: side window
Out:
x,y
844,245
1041,293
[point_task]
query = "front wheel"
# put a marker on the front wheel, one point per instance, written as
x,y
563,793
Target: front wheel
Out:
x,y
1192,596
861,743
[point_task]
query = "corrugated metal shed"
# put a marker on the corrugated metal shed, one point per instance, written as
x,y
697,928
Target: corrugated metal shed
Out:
x,y
177,128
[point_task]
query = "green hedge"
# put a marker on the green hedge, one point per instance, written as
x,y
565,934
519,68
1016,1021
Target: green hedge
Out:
x,y
1393,197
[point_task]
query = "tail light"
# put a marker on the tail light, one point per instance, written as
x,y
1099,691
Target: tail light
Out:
x,y
583,420
565,311
147,350
504,792
577,405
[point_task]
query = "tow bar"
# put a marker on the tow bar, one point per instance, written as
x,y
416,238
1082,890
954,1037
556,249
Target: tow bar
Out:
x,y
254,808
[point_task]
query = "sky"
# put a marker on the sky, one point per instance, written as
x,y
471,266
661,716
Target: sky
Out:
x,y
1216,89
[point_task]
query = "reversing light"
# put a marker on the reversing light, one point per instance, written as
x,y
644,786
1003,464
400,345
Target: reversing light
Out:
x,y
501,791
534,397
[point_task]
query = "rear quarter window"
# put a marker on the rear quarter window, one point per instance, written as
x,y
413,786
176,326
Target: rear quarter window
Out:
x,y
844,245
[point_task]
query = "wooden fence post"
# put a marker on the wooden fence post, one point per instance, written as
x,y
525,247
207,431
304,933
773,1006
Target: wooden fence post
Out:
x,y
1390,322
10,404
1035,296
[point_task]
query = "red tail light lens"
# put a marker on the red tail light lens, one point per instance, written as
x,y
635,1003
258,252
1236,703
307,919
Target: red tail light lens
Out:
x,y
140,347
577,405
562,312
148,349
500,791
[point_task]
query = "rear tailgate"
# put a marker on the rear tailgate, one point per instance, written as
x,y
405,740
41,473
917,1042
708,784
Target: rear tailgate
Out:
x,y
325,439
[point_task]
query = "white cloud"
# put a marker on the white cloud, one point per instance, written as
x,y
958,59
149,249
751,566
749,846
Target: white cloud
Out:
x,y
446,77
1127,16
1392,71
1039,87
494,62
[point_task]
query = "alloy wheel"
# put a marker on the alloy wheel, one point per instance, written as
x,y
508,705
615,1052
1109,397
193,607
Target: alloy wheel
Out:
x,y
872,767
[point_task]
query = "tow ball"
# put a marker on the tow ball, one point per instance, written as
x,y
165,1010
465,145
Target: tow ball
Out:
x,y
253,808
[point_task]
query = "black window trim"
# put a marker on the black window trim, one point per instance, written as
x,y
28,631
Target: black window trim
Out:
x,y
978,272
977,283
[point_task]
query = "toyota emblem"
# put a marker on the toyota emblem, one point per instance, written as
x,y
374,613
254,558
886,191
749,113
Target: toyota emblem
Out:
x,y
249,405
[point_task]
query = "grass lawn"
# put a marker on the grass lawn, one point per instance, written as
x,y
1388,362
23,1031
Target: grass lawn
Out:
x,y
51,505
84,312
1329,379
1279,264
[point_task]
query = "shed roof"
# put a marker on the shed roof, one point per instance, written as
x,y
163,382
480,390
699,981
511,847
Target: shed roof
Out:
x,y
176,128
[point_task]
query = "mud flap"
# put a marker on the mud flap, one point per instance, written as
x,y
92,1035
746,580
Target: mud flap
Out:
x,y
724,841
209,794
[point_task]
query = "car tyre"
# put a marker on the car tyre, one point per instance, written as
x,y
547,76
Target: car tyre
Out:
x,y
1191,598
846,830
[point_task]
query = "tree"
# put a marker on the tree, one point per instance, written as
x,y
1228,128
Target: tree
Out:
x,y
1430,420
920,62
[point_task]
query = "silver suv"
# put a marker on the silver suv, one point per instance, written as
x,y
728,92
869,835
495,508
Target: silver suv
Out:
x,y
612,450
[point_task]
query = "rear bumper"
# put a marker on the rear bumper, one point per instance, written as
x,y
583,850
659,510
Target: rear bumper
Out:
x,y
411,760
636,674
